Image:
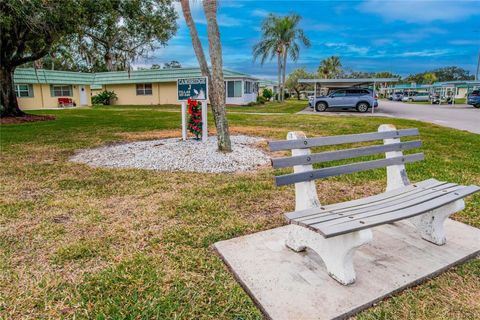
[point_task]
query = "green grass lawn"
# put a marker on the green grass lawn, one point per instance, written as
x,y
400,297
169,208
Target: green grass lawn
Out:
x,y
290,106
90,243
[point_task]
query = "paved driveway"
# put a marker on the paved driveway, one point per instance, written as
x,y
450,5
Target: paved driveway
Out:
x,y
460,116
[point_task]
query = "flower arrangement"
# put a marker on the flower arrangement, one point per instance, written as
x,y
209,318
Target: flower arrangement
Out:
x,y
195,121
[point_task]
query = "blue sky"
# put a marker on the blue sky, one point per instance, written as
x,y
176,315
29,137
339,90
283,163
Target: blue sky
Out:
x,y
373,35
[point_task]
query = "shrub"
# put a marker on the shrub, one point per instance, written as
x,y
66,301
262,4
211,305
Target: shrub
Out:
x,y
267,94
261,100
286,95
251,104
105,98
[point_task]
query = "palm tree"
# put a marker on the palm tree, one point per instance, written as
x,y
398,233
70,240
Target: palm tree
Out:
x,y
292,37
330,67
281,37
216,88
270,45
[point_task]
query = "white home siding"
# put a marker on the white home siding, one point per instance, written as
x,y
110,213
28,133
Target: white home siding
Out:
x,y
243,98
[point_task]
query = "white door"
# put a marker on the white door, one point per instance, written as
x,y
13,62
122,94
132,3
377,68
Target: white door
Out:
x,y
83,96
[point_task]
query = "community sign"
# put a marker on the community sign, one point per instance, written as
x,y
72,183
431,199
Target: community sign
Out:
x,y
194,88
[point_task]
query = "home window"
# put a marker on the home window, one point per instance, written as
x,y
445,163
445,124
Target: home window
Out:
x,y
234,89
248,87
144,89
23,90
61,91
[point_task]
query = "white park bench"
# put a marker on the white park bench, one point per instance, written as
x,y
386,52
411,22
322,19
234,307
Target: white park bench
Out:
x,y
335,231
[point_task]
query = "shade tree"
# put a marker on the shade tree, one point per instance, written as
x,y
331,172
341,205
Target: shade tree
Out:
x,y
29,30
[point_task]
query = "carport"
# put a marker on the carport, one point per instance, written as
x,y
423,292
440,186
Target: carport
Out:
x,y
450,89
320,84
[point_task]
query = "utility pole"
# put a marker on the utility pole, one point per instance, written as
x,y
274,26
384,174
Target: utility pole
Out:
x,y
478,66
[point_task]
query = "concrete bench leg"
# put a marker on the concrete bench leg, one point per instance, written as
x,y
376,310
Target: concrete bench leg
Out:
x,y
430,224
336,252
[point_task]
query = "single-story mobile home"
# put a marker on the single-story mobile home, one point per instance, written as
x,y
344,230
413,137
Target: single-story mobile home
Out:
x,y
40,88
267,84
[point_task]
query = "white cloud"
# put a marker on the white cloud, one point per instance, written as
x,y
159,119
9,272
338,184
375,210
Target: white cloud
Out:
x,y
421,11
347,47
260,13
382,41
230,4
413,54
224,20
466,42
312,25
424,53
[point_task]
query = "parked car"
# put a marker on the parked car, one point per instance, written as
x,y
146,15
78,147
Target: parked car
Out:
x,y
417,97
473,98
351,98
438,99
396,96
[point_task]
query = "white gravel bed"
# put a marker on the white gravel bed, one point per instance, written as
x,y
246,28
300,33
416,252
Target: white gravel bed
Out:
x,y
177,155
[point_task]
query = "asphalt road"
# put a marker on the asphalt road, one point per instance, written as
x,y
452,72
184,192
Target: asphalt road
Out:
x,y
460,116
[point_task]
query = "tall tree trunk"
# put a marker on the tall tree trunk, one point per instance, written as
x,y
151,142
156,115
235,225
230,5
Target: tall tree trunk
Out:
x,y
284,71
218,85
197,45
279,93
109,61
8,100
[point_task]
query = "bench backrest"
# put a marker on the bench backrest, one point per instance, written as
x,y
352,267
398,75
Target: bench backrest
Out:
x,y
392,145
65,100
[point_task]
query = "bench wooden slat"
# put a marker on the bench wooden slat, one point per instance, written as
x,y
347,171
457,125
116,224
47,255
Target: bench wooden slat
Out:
x,y
343,154
339,217
394,207
342,139
437,186
343,169
381,203
372,199
360,224
429,183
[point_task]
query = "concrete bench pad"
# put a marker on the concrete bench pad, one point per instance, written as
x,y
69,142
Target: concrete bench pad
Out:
x,y
289,285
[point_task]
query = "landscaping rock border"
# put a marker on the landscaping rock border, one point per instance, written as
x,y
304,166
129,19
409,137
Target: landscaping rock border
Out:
x,y
177,155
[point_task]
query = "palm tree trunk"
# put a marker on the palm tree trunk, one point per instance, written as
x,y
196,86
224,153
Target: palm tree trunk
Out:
x,y
197,45
279,93
218,85
284,71
216,93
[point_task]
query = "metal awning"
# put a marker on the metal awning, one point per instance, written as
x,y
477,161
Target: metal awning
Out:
x,y
345,83
457,83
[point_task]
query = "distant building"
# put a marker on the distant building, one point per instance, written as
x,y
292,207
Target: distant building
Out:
x,y
459,89
267,84
42,88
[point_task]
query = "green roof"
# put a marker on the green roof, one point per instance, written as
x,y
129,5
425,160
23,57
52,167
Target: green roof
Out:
x,y
30,75
410,86
157,75
267,83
